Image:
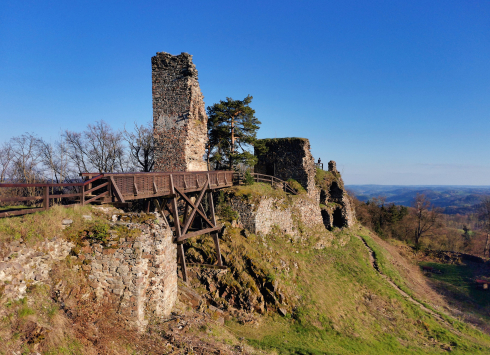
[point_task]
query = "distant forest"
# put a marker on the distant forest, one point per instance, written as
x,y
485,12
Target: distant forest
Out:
x,y
450,199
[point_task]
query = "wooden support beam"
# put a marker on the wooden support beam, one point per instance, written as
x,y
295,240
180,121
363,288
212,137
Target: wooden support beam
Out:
x,y
134,184
97,187
189,203
215,235
193,212
97,197
198,233
46,197
180,254
180,248
116,191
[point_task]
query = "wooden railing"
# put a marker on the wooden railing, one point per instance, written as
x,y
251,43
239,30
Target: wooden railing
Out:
x,y
275,182
116,187
48,194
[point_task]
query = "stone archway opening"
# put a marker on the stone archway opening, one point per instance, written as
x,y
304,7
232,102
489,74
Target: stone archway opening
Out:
x,y
338,218
336,193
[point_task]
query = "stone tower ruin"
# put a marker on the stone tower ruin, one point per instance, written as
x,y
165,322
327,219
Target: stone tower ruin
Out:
x,y
289,158
179,115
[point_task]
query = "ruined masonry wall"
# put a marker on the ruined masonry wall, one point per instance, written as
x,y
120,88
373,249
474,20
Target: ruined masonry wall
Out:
x,y
21,265
261,217
289,158
140,275
179,114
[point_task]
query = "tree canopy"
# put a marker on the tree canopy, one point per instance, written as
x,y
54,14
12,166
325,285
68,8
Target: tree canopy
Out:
x,y
232,131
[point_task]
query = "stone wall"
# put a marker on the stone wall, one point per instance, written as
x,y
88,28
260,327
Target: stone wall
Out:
x,y
289,214
179,114
22,265
138,274
289,158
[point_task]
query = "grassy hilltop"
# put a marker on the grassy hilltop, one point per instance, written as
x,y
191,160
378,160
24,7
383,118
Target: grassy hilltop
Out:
x,y
339,292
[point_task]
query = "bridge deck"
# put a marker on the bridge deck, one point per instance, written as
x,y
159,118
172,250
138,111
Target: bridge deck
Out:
x,y
134,186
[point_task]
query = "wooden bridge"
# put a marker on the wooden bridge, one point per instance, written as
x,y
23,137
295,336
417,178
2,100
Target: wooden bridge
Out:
x,y
178,196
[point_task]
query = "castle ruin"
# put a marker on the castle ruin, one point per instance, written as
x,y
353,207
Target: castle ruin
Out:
x,y
179,114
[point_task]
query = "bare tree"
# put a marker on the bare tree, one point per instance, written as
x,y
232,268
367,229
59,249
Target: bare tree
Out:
x,y
25,158
99,148
141,146
6,157
426,218
484,218
55,160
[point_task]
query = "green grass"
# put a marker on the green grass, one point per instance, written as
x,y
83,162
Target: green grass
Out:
x,y
460,280
345,307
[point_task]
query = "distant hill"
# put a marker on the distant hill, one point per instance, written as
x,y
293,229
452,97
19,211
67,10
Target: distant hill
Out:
x,y
452,199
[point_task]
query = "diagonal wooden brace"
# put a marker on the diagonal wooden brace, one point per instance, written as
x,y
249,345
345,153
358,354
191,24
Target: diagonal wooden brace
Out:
x,y
195,209
197,206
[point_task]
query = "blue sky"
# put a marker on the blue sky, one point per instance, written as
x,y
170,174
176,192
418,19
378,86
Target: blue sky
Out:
x,y
397,92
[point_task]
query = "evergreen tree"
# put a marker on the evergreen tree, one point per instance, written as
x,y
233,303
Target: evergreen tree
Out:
x,y
232,131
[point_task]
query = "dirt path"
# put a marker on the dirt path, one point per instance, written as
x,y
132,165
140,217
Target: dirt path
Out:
x,y
374,263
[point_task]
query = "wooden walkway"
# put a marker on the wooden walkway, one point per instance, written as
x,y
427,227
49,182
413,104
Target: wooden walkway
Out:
x,y
178,196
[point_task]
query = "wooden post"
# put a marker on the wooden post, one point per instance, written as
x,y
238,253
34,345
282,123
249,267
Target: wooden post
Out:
x,y
178,232
46,197
147,206
213,219
83,195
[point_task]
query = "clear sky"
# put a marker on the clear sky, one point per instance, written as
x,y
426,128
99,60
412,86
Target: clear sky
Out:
x,y
397,92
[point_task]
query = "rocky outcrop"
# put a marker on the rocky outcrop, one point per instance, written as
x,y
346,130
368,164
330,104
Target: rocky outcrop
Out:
x,y
337,210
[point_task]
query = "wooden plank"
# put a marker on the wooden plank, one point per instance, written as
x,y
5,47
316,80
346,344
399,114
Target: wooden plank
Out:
x,y
97,197
193,212
198,233
46,197
19,199
21,212
64,195
97,187
134,184
180,255
215,235
189,203
180,248
118,194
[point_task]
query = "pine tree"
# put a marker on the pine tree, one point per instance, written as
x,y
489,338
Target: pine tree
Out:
x,y
232,131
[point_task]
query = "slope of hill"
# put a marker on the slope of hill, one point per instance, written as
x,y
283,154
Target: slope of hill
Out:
x,y
452,199
339,292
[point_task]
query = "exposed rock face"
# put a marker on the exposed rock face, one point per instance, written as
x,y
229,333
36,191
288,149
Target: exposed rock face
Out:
x,y
179,115
289,158
337,210
262,216
139,275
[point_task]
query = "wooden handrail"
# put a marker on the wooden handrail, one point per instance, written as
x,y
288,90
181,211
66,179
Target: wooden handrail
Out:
x,y
270,179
